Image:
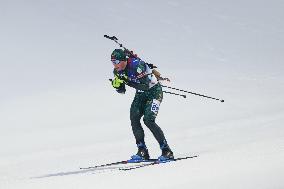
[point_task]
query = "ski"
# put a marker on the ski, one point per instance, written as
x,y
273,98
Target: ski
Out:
x,y
156,162
119,163
142,163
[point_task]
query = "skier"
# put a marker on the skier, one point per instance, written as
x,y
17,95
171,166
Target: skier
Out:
x,y
132,71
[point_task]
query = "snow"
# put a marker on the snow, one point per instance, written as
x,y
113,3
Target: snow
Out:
x,y
58,111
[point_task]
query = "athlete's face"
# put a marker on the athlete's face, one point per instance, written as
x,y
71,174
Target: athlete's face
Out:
x,y
119,65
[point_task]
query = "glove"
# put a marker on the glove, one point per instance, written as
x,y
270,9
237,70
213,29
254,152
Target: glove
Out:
x,y
118,84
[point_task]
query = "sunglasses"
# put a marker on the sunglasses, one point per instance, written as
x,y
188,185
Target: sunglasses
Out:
x,y
114,61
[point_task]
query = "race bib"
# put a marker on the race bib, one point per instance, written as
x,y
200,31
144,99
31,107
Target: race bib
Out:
x,y
155,106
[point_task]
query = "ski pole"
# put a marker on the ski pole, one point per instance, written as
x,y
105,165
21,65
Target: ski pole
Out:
x,y
193,93
113,38
184,96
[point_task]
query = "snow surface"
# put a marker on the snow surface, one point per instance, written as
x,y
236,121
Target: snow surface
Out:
x,y
58,111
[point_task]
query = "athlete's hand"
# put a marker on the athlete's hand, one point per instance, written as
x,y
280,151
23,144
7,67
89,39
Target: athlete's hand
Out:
x,y
165,79
118,84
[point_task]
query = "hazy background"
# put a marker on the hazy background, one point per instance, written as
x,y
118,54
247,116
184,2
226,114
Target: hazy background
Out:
x,y
58,111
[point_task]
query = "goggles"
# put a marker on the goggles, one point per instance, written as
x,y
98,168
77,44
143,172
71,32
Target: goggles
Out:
x,y
114,61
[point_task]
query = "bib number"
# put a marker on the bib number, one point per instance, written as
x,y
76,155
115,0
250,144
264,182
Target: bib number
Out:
x,y
155,106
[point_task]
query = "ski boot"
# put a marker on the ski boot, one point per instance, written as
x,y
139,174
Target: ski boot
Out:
x,y
167,154
142,153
